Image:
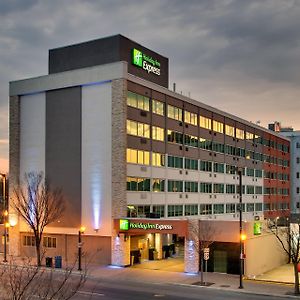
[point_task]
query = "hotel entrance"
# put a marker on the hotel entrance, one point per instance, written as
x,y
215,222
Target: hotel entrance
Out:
x,y
154,243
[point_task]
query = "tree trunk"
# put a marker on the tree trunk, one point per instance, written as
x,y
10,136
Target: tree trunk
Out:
x,y
38,252
296,278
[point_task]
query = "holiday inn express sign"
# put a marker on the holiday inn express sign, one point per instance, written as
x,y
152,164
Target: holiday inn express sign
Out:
x,y
151,226
146,62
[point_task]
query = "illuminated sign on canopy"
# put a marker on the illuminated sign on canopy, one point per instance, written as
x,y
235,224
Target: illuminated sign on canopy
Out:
x,y
127,225
146,62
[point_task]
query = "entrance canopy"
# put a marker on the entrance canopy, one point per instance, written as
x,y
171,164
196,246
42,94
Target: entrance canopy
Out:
x,y
144,226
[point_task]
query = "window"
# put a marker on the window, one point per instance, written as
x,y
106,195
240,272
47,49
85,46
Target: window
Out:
x,y
174,113
239,133
158,133
258,173
298,160
205,122
143,211
297,145
205,187
258,190
229,130
191,210
205,144
267,206
297,190
250,189
205,209
49,242
258,206
230,208
158,185
138,184
190,118
191,187
139,129
29,240
159,210
137,101
158,159
205,166
250,172
249,136
218,167
230,169
175,186
138,156
218,126
175,210
190,140
297,174
229,150
230,189
218,147
218,208
175,137
158,107
191,164
250,207
175,162
219,188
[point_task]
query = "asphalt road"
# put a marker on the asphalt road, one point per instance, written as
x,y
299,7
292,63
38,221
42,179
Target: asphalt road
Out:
x,y
111,290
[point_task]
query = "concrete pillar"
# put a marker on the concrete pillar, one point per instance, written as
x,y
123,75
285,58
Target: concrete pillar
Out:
x,y
191,248
158,245
120,250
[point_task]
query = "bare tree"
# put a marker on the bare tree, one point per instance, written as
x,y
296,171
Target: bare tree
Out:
x,y
203,233
38,205
24,281
289,239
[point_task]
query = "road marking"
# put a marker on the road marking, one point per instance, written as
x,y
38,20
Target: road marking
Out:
x,y
90,293
158,295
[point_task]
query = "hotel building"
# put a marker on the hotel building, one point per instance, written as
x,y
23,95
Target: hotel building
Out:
x,y
139,164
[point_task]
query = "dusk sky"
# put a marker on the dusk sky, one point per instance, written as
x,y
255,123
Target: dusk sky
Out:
x,y
241,56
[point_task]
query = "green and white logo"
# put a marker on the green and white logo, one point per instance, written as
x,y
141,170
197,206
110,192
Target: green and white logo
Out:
x,y
137,58
145,62
124,224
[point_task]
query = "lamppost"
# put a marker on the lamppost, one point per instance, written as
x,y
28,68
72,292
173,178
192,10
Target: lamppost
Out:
x,y
5,215
80,232
240,173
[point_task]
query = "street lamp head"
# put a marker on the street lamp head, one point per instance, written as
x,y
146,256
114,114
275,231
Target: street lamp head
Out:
x,y
82,229
7,225
5,213
243,237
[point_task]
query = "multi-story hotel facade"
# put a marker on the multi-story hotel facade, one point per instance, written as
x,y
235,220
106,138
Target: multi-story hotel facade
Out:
x,y
138,164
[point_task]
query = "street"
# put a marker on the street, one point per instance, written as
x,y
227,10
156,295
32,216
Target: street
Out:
x,y
118,290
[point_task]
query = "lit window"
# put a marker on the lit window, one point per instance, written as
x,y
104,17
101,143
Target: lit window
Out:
x,y
137,101
239,133
229,130
174,113
205,122
157,107
158,159
49,242
249,136
139,129
138,156
175,137
138,184
190,118
158,133
218,126
158,185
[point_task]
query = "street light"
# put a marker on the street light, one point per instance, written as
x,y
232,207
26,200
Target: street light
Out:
x,y
5,215
80,232
239,171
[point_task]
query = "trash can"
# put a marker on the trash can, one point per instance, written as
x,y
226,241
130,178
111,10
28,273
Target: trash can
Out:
x,y
49,262
132,260
58,262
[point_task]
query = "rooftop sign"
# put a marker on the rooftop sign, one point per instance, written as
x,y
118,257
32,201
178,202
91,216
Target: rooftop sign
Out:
x,y
146,62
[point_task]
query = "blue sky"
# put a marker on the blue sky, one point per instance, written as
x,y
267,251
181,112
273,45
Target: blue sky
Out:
x,y
239,56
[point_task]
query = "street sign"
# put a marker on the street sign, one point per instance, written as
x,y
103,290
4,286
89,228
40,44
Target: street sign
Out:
x,y
206,253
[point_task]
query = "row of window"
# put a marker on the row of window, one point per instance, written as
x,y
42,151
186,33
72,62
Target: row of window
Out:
x,y
142,184
143,157
48,242
143,130
173,112
190,209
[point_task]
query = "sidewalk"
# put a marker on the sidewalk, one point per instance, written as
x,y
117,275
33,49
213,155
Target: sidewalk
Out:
x,y
262,285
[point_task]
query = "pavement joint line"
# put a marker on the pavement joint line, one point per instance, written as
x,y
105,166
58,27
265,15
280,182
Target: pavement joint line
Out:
x,y
239,291
270,281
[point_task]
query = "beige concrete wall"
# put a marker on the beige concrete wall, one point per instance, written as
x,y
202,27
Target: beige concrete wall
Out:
x,y
263,253
96,250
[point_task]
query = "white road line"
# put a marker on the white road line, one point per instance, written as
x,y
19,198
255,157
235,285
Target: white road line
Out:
x,y
90,293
